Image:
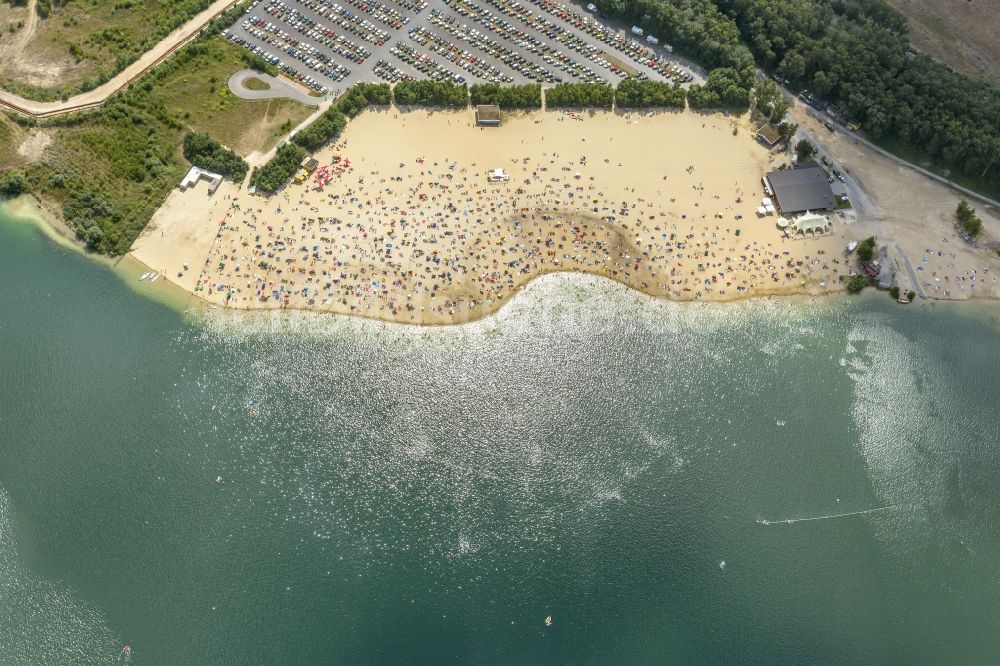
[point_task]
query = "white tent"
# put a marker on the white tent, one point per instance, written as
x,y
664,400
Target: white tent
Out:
x,y
810,222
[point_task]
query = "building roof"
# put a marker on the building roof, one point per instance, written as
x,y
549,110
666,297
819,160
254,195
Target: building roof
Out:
x,y
488,113
802,188
768,134
309,163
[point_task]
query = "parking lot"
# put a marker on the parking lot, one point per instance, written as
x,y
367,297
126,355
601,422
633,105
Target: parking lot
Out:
x,y
329,45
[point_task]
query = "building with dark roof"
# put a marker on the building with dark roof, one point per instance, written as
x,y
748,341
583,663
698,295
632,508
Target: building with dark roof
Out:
x,y
802,188
768,135
487,114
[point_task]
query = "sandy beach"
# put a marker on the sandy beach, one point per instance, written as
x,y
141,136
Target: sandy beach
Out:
x,y
407,227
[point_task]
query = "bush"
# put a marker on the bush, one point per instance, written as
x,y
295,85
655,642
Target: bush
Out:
x,y
725,88
635,93
910,295
804,150
527,96
431,93
866,249
856,284
894,292
322,131
968,219
580,95
205,152
12,183
276,173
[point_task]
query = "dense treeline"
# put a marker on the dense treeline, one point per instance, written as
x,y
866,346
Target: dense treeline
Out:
x,y
592,95
724,88
205,152
322,131
279,168
431,93
527,96
635,93
865,67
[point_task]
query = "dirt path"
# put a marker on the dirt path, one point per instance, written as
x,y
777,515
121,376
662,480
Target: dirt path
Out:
x,y
11,53
96,97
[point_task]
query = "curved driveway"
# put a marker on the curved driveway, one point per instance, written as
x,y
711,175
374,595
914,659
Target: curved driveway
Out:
x,y
280,89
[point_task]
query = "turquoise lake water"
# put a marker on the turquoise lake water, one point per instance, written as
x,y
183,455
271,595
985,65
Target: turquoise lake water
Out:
x,y
217,488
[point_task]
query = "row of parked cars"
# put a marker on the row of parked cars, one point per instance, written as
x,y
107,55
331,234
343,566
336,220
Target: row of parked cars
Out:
x,y
425,64
634,50
493,48
552,30
291,44
470,62
343,18
386,71
529,42
294,73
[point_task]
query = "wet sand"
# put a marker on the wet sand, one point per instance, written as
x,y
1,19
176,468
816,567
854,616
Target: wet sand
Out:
x,y
407,227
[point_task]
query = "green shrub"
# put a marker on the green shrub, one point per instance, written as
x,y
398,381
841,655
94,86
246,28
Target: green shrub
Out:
x,y
431,93
203,151
12,183
580,95
277,172
527,96
633,93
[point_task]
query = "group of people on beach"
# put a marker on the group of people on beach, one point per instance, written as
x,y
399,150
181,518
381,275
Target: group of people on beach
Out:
x,y
433,240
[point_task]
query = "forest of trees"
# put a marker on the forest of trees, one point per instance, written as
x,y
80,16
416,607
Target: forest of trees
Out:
x,y
205,152
527,96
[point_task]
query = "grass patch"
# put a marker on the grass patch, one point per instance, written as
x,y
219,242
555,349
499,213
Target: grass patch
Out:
x,y
198,96
935,25
254,83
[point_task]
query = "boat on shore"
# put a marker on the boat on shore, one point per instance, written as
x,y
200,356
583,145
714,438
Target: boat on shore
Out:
x,y
154,277
143,276
903,299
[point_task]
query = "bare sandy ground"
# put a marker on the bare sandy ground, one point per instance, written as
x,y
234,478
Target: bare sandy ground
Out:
x,y
917,213
180,235
411,230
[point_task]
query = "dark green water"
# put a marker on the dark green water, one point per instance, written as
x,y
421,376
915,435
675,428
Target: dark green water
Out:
x,y
428,496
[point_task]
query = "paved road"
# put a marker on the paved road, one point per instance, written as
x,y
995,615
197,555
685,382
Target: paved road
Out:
x,y
280,88
98,95
913,274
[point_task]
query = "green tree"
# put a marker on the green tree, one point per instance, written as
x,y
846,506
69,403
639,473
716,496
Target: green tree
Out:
x,y
12,183
787,131
866,249
805,150
767,99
